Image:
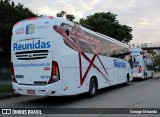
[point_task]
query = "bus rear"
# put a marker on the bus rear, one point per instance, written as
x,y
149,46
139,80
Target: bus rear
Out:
x,y
33,68
138,65
138,68
143,66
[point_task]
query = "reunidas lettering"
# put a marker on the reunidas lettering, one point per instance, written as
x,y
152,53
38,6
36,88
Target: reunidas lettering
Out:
x,y
119,64
33,45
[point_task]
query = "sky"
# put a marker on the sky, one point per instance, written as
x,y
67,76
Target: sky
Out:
x,y
142,16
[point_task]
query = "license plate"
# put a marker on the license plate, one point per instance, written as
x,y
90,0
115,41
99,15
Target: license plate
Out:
x,y
31,91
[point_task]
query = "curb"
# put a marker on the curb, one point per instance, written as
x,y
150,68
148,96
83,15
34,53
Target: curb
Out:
x,y
7,95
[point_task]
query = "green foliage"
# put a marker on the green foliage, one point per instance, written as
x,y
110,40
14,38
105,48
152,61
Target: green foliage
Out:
x,y
157,60
61,14
9,15
107,24
151,52
5,88
70,17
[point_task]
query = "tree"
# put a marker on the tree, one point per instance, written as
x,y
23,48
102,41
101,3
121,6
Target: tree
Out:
x,y
151,52
61,14
70,17
107,24
156,58
9,15
157,62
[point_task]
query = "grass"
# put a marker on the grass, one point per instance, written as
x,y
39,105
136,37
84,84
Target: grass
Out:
x,y
5,88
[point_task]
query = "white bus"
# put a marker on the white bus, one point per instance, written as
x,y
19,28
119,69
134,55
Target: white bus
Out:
x,y
143,67
55,57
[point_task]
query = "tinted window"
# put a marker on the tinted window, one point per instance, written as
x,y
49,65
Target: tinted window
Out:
x,y
136,63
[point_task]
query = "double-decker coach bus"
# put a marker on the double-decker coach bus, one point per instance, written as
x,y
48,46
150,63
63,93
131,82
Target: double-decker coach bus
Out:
x,y
143,67
54,57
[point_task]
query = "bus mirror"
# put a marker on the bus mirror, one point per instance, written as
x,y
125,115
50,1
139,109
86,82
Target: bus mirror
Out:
x,y
67,32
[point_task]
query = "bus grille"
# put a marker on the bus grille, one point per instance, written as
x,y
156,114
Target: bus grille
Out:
x,y
31,55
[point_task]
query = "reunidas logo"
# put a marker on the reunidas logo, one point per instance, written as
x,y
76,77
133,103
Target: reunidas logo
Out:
x,y
33,45
119,64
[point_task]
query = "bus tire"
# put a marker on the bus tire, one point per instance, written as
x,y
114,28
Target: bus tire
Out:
x,y
152,75
145,75
127,80
92,88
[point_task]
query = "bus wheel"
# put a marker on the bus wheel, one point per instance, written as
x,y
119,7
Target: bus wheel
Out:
x,y
92,88
152,75
127,80
145,75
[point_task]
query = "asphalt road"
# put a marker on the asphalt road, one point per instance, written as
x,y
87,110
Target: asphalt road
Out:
x,y
137,94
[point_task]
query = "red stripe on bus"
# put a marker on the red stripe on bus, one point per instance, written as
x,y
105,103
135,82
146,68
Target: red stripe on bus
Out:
x,y
90,42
